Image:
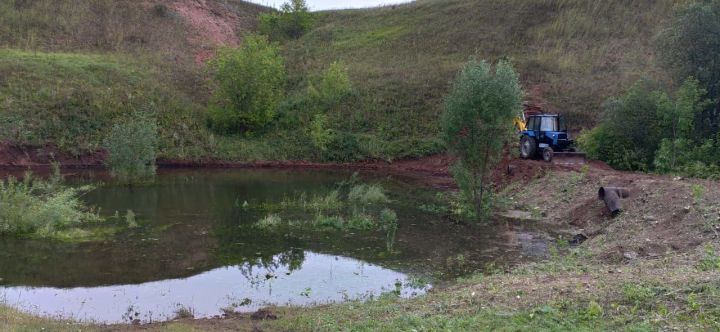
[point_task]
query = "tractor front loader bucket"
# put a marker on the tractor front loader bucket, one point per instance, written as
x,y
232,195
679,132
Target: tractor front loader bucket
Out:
x,y
569,158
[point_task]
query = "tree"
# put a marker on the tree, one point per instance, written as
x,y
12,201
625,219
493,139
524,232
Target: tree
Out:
x,y
677,120
293,20
249,84
477,124
690,46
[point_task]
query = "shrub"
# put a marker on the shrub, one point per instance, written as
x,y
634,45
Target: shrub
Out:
x,y
249,84
477,122
37,208
343,147
131,150
320,134
334,85
618,151
292,21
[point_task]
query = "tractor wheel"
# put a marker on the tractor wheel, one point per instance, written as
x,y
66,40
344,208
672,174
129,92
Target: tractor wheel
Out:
x,y
547,154
527,147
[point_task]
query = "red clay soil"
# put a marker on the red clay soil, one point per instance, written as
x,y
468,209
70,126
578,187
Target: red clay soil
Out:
x,y
14,156
433,170
214,24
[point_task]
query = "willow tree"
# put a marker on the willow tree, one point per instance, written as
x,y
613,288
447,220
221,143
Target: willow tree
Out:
x,y
477,124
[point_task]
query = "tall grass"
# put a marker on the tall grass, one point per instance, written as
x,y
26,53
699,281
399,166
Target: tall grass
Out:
x,y
109,25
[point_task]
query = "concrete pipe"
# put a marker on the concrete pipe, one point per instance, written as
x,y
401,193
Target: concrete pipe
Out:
x,y
612,197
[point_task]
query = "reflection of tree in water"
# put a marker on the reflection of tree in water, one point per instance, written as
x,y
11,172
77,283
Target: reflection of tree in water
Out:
x,y
291,259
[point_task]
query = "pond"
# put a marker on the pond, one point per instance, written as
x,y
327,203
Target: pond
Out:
x,y
195,250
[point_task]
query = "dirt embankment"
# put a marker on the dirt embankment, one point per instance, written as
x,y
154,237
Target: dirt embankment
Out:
x,y
214,24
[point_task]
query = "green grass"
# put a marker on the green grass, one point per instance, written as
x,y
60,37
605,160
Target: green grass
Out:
x,y
403,58
73,99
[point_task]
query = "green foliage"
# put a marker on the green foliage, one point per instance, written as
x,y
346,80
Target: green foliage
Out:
x,y
320,134
292,21
593,311
334,86
44,209
343,147
132,147
690,46
647,130
324,101
249,84
477,124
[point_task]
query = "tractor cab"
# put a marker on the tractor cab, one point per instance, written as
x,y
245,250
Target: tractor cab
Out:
x,y
545,135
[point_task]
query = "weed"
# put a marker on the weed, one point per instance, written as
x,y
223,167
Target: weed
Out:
x,y
593,311
130,219
367,195
269,223
183,312
698,192
710,261
637,294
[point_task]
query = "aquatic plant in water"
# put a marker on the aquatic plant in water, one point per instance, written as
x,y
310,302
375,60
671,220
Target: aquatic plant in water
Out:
x,y
351,206
37,208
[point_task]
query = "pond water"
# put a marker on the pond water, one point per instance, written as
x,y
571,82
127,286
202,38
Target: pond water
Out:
x,y
195,250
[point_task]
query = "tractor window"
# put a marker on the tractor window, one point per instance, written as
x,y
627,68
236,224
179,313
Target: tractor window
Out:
x,y
533,124
549,123
562,124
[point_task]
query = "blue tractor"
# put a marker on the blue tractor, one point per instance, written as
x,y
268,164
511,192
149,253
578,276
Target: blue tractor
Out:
x,y
546,135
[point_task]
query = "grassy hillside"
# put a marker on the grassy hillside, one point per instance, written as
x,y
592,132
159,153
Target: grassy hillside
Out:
x,y
572,53
72,99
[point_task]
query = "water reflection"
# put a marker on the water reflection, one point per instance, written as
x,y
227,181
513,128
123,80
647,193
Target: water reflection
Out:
x,y
195,247
292,279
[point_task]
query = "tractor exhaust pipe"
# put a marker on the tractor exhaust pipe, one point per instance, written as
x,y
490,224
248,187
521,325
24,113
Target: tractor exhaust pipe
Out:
x,y
612,197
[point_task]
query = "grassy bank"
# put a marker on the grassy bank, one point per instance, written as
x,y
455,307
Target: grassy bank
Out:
x,y
571,292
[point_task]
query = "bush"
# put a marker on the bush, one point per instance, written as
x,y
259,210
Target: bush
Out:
x,y
647,129
320,134
249,85
616,150
37,208
343,147
334,86
131,150
292,21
